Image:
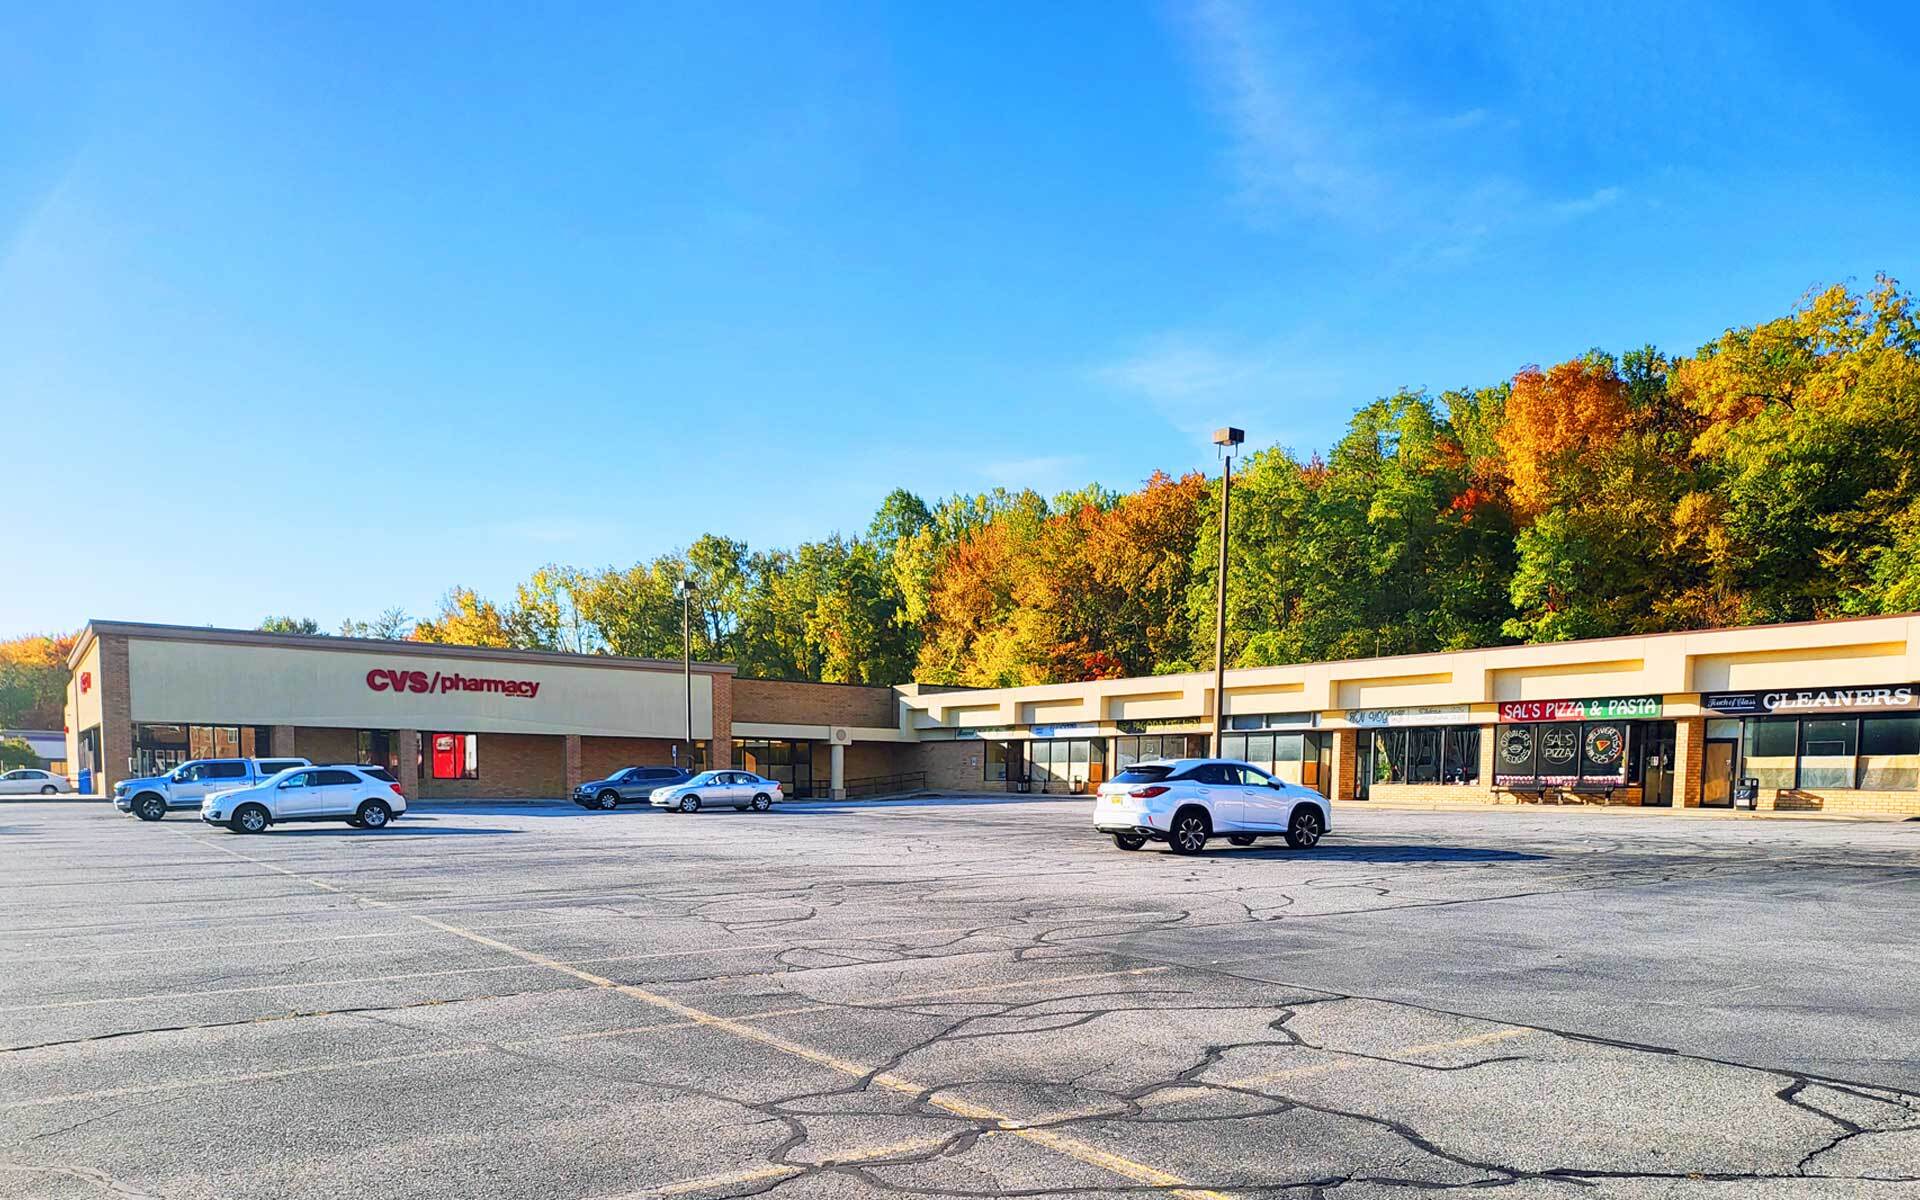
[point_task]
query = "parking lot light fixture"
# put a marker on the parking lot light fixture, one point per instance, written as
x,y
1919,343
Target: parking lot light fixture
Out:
x,y
1229,440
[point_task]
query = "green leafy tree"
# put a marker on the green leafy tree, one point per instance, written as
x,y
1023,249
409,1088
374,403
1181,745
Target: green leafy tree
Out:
x,y
306,625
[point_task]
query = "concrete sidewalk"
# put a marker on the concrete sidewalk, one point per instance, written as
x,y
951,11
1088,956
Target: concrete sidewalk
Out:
x,y
1693,814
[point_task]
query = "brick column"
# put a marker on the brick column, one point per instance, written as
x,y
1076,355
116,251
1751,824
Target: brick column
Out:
x,y
570,747
1689,753
283,742
720,745
1489,739
1346,763
116,715
406,747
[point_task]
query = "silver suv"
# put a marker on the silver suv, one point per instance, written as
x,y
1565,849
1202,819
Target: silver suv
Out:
x,y
153,797
1185,801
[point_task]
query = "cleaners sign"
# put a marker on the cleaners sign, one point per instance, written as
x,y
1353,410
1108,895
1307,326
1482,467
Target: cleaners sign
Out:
x,y
1828,699
1618,708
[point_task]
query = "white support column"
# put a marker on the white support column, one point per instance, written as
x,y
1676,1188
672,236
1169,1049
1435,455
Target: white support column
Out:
x,y
837,773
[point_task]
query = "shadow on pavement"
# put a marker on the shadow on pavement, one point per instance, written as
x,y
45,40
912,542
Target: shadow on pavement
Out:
x,y
396,830
1331,852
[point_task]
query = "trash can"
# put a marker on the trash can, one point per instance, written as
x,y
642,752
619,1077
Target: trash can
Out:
x,y
1746,794
86,781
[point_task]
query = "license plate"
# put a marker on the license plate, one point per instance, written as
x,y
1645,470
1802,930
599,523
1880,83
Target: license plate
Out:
x,y
1114,799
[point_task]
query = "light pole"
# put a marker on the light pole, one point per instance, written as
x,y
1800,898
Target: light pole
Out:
x,y
1227,439
686,658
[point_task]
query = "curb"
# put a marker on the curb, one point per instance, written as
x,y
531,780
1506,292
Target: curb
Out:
x,y
1624,810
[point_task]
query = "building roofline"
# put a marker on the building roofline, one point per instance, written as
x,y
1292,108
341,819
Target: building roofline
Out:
x,y
1501,647
316,641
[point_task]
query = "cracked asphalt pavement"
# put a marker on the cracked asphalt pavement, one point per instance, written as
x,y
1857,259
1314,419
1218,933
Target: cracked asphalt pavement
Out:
x,y
955,998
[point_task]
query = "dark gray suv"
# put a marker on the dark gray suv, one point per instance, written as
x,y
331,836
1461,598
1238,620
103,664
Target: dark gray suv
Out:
x,y
631,785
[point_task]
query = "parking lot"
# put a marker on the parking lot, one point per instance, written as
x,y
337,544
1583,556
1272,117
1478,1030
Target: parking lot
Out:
x,y
955,998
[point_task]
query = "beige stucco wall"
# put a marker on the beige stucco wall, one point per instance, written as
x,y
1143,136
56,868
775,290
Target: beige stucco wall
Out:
x,y
203,682
1870,650
82,708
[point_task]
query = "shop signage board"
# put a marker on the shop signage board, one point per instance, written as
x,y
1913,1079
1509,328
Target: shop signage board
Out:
x,y
1432,714
1168,724
1613,708
1066,731
1891,697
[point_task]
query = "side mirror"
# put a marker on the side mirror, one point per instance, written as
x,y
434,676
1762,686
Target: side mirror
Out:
x,y
285,784
1275,784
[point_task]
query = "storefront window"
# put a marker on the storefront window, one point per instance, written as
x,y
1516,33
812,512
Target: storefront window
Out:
x,y
158,748
1130,750
454,756
1065,764
994,760
1890,753
1435,754
1834,753
789,760
1772,748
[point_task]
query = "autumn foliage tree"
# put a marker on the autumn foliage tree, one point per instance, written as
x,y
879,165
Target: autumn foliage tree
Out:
x,y
1773,474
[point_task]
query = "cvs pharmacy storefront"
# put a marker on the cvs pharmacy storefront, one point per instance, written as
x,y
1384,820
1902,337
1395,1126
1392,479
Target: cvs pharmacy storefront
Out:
x,y
448,721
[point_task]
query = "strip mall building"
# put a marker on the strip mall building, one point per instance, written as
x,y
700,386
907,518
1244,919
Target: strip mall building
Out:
x,y
1817,716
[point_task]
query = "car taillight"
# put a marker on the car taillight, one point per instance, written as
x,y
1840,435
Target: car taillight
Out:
x,y
1148,793
397,790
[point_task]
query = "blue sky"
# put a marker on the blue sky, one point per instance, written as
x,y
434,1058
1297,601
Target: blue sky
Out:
x,y
324,312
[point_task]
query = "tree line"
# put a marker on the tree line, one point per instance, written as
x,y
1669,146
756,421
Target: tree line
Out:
x,y
1772,475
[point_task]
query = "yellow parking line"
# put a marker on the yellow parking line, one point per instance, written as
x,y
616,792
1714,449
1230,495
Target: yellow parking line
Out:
x,y
1085,1152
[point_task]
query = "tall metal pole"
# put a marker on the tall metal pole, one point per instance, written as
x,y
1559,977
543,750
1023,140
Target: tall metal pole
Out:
x,y
1220,612
686,659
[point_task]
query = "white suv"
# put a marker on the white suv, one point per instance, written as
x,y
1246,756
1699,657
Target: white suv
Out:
x,y
1185,801
364,797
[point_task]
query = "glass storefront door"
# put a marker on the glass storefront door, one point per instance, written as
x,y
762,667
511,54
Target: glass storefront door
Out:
x,y
1716,779
1656,780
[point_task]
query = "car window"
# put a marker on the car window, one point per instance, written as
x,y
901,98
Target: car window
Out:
x,y
224,770
188,773
1210,773
334,778
1152,773
380,773
14,775
297,779
273,766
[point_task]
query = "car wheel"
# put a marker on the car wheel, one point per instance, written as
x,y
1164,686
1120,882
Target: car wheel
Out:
x,y
1129,841
762,802
608,800
149,807
374,815
1241,839
1189,832
1305,828
249,818
689,804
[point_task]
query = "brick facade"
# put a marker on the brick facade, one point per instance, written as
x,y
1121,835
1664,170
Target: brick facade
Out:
x,y
956,766
116,713
1346,763
783,702
720,747
1689,748
512,766
602,756
318,744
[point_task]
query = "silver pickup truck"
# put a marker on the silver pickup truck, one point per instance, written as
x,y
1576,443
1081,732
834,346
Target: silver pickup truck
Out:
x,y
186,785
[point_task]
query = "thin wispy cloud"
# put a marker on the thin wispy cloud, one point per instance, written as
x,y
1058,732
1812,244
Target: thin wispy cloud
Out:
x,y
1198,383
1308,143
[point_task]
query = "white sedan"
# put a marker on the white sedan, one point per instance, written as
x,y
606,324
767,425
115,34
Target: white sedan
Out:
x,y
1185,801
32,781
713,789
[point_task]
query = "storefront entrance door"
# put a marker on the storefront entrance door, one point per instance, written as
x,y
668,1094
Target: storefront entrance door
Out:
x,y
1716,780
1656,781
